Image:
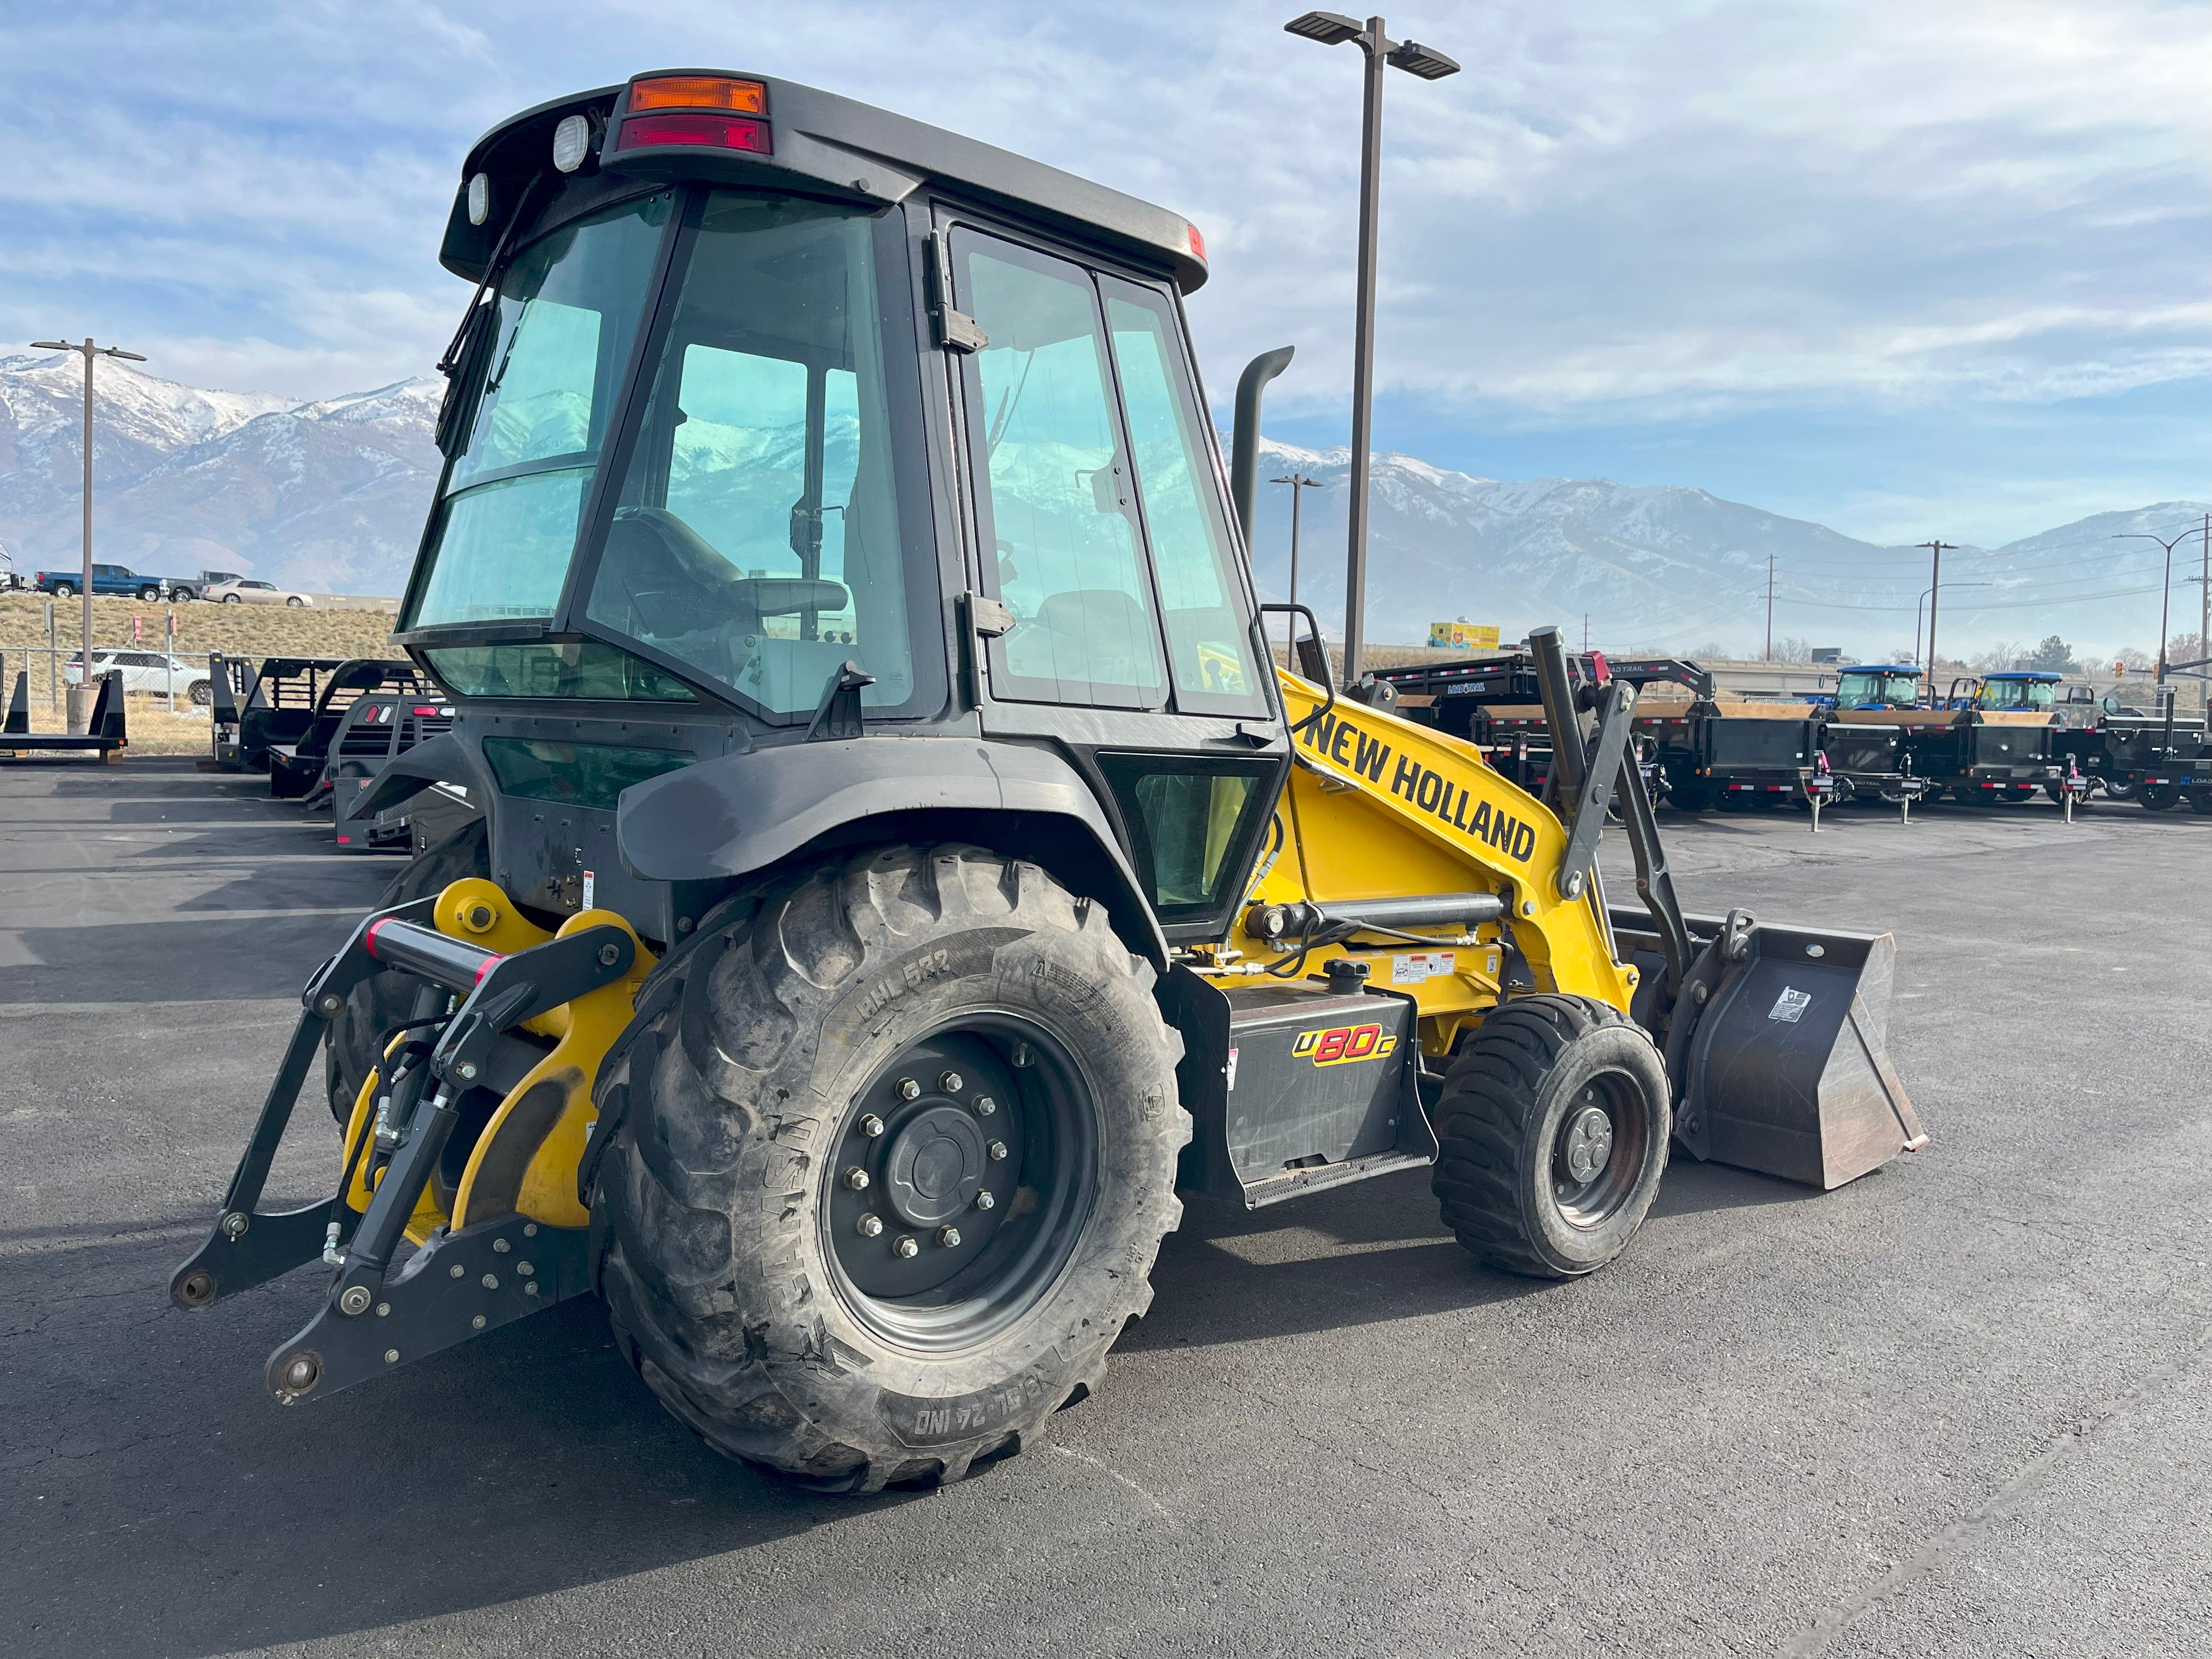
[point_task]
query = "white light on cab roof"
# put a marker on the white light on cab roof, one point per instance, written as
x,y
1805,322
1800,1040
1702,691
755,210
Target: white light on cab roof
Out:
x,y
571,139
479,198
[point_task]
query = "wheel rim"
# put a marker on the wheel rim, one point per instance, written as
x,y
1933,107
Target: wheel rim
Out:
x,y
920,1256
1597,1154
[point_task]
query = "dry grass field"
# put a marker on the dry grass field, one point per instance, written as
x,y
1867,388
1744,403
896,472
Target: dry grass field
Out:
x,y
257,630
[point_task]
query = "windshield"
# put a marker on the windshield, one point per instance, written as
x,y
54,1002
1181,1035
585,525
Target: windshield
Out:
x,y
1863,689
565,317
756,535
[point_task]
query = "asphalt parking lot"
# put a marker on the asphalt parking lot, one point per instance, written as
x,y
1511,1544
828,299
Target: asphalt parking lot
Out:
x,y
1960,1408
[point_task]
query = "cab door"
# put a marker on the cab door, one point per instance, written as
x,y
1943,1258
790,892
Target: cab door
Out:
x,y
1117,621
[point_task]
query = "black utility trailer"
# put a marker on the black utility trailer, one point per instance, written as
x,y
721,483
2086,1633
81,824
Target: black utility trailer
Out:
x,y
259,703
300,770
377,728
2158,760
104,734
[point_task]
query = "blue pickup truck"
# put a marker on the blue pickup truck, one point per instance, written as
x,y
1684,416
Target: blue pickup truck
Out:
x,y
116,581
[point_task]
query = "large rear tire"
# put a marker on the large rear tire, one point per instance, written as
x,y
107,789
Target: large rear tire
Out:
x,y
1553,1128
799,1131
383,1000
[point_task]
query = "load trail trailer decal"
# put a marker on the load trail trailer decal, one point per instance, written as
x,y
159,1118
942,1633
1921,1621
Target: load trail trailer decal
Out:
x,y
1336,1045
1348,746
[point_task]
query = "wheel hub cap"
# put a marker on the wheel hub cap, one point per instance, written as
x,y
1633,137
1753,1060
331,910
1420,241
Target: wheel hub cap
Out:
x,y
935,1166
1590,1143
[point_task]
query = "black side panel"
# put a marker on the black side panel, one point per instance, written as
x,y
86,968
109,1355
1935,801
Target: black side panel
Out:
x,y
743,813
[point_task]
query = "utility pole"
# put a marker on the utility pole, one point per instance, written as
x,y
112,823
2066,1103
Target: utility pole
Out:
x,y
1299,483
1934,598
80,696
1585,633
1769,607
1330,28
2165,589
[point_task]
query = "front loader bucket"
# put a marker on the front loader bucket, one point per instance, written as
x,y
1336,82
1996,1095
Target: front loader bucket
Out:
x,y
1786,1068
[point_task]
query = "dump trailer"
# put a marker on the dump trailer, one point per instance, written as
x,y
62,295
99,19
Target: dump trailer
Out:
x,y
902,880
1718,750
1495,704
2160,761
1988,739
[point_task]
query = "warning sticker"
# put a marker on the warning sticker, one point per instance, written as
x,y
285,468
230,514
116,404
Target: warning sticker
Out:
x,y
1411,967
1789,1007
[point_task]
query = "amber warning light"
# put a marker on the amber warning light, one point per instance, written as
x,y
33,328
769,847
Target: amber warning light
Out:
x,y
694,110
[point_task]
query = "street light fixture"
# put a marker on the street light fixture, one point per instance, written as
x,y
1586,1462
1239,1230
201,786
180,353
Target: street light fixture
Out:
x,y
1333,28
80,696
2166,589
1916,609
1299,484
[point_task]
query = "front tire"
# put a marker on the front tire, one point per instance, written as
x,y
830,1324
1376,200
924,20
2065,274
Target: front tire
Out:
x,y
888,1326
294,602
1553,1129
2158,797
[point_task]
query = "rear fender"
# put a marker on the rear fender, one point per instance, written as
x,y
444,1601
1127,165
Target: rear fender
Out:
x,y
743,814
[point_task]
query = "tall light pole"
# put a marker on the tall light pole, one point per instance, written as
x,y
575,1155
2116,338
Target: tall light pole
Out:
x,y
1299,484
1916,609
1334,29
2166,587
1938,548
80,696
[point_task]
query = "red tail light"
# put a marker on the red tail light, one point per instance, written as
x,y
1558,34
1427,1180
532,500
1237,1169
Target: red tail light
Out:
x,y
715,132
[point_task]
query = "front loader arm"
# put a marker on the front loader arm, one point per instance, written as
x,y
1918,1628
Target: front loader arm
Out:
x,y
1380,808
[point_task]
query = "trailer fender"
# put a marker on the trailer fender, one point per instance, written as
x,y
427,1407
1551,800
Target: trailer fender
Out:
x,y
741,813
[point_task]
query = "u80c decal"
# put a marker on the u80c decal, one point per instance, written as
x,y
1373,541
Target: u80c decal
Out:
x,y
1335,1044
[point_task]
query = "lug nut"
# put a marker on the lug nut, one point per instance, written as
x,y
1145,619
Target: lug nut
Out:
x,y
906,1250
525,1268
997,1149
530,1230
909,1089
856,1178
491,1281
952,1083
354,1299
871,1225
531,1289
948,1237
458,1270
987,1199
872,1125
477,1323
985,1105
384,1310
391,1356
502,1246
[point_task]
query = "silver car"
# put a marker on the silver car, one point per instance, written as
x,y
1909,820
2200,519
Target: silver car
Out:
x,y
244,590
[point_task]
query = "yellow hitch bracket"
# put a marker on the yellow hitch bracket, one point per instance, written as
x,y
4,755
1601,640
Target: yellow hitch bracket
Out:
x,y
525,1160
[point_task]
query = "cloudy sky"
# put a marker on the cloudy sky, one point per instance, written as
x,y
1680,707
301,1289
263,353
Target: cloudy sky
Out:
x,y
1905,267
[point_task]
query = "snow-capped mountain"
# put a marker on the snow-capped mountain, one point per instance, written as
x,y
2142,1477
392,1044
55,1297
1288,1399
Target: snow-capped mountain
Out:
x,y
1655,566
332,497
325,496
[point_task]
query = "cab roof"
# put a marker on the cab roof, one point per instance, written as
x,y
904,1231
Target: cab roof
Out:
x,y
825,145
1879,668
2034,674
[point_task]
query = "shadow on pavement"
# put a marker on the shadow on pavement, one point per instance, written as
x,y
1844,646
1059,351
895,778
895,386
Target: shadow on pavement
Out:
x,y
164,1504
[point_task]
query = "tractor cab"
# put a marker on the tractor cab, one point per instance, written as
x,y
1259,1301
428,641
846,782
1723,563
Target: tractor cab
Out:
x,y
780,417
1878,686
2017,692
